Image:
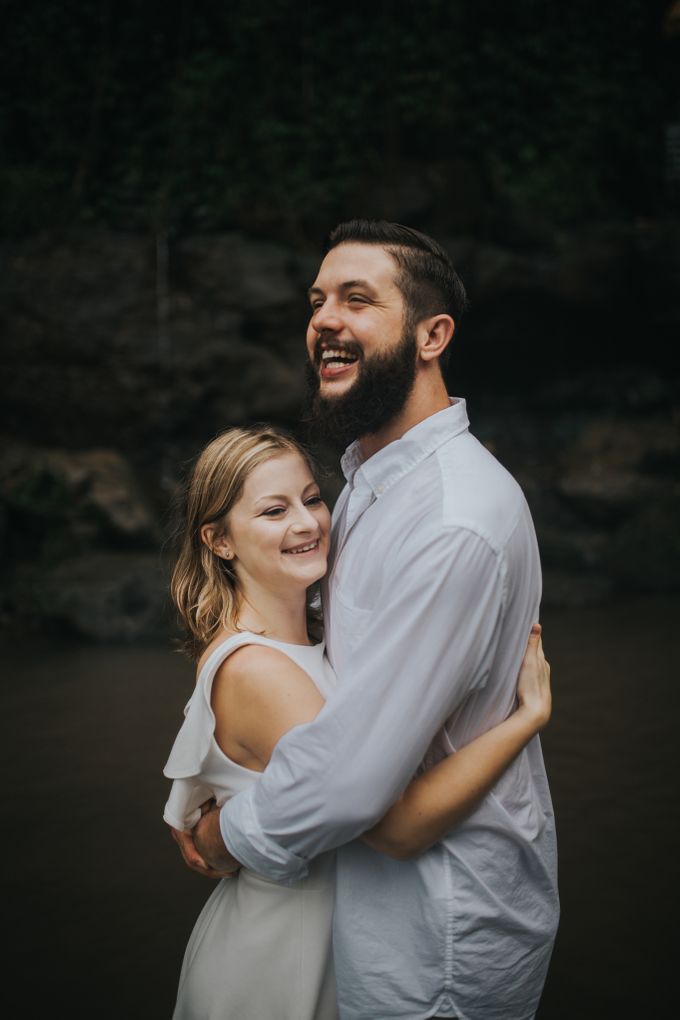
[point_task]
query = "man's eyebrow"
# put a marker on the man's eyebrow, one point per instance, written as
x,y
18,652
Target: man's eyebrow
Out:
x,y
348,285
364,284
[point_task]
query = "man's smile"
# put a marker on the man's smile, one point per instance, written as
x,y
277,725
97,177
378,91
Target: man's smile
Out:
x,y
330,368
334,359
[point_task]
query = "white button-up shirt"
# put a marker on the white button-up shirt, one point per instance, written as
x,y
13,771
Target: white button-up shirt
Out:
x,y
432,588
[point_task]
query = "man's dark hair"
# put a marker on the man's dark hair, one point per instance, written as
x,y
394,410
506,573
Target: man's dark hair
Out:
x,y
426,277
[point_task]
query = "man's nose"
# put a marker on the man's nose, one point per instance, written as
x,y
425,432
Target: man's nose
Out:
x,y
326,318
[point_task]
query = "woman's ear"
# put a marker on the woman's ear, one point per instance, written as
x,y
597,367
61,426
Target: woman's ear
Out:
x,y
216,540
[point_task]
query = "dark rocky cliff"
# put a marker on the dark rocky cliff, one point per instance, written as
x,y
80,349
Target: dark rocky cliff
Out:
x,y
123,354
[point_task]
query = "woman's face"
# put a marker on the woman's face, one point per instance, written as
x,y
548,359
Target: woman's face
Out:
x,y
279,529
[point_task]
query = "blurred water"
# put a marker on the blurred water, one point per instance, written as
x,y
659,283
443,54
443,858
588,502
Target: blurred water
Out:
x,y
98,905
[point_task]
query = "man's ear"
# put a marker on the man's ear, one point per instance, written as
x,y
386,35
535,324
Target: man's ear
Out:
x,y
216,540
434,336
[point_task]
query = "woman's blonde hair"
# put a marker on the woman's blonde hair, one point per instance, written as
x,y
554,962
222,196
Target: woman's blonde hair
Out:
x,y
203,586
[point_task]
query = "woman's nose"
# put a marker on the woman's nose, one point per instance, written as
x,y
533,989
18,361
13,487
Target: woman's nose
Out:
x,y
305,520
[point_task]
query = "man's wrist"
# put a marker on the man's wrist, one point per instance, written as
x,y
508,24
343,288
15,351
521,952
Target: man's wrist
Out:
x,y
210,844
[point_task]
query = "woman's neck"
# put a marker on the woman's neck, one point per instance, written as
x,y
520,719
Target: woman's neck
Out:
x,y
282,618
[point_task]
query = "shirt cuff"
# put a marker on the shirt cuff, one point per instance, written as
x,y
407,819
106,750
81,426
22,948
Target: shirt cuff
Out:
x,y
245,840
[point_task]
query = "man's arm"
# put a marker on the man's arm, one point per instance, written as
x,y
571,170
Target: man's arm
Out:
x,y
428,643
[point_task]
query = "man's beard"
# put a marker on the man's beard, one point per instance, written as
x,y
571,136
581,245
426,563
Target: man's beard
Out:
x,y
383,384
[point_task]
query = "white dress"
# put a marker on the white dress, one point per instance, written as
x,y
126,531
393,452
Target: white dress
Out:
x,y
259,950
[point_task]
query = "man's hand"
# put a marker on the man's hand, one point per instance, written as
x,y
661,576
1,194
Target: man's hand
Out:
x,y
193,859
209,845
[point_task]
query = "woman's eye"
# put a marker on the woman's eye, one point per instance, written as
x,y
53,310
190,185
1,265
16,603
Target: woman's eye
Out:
x,y
275,511
313,501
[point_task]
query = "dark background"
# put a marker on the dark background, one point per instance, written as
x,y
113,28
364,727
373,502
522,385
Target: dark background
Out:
x,y
167,178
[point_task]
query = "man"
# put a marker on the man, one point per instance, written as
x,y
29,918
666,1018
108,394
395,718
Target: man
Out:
x,y
433,584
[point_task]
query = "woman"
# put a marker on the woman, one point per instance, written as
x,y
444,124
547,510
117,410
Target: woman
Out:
x,y
256,538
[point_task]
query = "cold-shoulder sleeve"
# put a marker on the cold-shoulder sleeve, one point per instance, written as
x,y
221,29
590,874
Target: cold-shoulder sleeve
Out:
x,y
183,807
185,763
192,744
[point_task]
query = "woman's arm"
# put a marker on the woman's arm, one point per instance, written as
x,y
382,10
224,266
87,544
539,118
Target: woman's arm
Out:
x,y
442,797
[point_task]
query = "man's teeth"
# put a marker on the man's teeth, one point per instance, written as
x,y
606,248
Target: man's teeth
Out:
x,y
303,548
336,355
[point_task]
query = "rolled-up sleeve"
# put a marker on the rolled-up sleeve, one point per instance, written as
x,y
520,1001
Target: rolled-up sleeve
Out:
x,y
426,645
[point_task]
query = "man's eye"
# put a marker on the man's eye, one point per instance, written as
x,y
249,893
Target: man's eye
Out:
x,y
358,298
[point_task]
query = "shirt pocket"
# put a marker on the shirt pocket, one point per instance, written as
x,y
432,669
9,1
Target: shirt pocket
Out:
x,y
349,625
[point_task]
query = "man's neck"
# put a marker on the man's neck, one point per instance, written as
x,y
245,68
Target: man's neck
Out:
x,y
428,397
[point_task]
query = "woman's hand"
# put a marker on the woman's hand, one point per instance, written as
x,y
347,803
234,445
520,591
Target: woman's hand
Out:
x,y
533,684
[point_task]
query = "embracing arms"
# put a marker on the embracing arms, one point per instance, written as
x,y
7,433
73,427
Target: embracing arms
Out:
x,y
259,694
334,777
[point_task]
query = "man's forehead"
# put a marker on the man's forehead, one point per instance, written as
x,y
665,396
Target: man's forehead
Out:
x,y
370,263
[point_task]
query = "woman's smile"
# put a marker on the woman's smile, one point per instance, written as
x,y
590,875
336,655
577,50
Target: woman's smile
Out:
x,y
310,547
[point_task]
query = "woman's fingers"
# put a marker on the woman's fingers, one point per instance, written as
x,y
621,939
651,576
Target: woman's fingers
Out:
x,y
536,644
533,686
541,656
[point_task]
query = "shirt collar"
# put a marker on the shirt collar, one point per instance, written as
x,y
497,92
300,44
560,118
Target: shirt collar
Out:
x,y
399,457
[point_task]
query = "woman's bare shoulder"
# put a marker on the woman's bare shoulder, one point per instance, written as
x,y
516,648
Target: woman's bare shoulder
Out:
x,y
259,689
254,664
250,662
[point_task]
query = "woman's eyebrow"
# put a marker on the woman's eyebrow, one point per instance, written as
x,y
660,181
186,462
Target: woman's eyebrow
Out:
x,y
281,496
274,495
